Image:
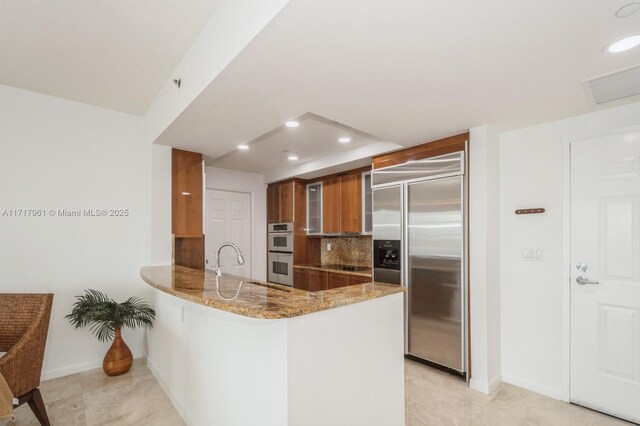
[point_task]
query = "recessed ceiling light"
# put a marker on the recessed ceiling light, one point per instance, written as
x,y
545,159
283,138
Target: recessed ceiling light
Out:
x,y
344,140
628,10
243,147
624,44
292,124
293,157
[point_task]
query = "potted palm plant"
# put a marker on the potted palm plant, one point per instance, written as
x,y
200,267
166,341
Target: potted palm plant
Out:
x,y
106,317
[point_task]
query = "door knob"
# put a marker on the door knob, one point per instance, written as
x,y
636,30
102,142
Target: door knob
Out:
x,y
584,281
581,267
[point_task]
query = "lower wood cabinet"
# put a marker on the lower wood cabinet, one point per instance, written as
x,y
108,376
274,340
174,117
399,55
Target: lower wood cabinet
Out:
x,y
337,280
300,279
315,280
310,280
356,279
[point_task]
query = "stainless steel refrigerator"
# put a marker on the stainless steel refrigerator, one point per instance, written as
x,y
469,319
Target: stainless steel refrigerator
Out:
x,y
420,235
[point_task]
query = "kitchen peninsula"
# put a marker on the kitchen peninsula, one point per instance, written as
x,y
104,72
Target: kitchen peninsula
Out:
x,y
234,351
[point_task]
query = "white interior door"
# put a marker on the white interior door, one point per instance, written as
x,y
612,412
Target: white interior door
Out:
x,y
605,248
228,219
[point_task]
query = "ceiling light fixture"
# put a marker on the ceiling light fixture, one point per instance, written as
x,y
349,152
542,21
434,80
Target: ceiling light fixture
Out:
x,y
243,147
292,124
628,10
344,140
624,44
293,157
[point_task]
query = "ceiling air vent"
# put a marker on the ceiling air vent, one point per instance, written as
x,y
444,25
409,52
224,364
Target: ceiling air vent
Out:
x,y
614,86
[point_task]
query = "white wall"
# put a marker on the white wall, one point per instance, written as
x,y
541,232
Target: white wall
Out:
x,y
233,25
252,183
533,169
59,154
484,250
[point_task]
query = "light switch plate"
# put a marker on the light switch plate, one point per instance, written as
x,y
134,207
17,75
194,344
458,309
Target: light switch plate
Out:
x,y
328,246
532,254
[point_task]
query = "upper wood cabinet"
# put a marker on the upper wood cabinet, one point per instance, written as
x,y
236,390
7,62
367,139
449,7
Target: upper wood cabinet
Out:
x,y
431,149
286,202
351,203
186,193
331,205
342,203
314,208
280,205
273,203
187,208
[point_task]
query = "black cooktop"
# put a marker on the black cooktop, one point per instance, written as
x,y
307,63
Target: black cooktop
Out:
x,y
348,268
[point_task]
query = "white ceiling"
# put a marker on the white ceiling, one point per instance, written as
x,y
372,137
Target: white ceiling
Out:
x,y
111,53
311,140
408,71
405,71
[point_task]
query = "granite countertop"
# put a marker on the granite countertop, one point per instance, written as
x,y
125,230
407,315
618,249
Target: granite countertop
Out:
x,y
253,298
360,271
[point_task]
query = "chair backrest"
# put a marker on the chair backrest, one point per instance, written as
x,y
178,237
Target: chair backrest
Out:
x,y
24,323
19,312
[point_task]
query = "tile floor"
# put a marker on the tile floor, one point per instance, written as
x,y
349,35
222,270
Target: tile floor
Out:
x,y
93,399
432,398
436,398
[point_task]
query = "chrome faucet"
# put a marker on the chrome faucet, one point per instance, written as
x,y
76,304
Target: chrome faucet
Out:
x,y
238,253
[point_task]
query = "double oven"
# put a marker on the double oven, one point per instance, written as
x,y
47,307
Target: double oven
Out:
x,y
280,257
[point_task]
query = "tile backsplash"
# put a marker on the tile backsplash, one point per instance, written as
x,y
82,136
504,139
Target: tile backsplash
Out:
x,y
352,251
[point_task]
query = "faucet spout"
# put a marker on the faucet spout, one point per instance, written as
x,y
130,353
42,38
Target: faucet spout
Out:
x,y
238,253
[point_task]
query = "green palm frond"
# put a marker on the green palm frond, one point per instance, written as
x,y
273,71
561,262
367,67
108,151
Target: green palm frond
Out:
x,y
103,314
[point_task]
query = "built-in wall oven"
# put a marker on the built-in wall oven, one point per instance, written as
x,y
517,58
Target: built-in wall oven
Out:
x,y
281,237
280,257
281,268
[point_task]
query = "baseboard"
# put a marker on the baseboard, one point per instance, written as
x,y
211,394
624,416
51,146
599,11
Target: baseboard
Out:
x,y
485,387
534,387
179,408
78,368
494,383
479,385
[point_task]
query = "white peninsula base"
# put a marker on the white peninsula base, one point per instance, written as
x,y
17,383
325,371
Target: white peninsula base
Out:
x,y
341,366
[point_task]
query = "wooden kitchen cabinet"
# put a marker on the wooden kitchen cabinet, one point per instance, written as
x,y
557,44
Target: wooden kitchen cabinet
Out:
x,y
286,202
273,203
351,203
187,208
356,279
300,279
316,280
314,208
331,205
309,279
280,202
186,193
337,280
342,203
